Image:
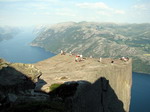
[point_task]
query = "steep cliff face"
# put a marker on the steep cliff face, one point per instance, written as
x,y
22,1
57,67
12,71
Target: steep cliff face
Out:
x,y
63,68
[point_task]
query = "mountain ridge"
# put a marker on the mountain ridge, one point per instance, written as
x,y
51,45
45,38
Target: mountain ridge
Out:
x,y
99,40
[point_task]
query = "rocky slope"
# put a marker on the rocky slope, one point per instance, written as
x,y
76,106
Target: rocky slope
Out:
x,y
99,40
18,84
63,68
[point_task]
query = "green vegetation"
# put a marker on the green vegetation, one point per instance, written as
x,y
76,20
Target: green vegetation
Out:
x,y
54,86
141,66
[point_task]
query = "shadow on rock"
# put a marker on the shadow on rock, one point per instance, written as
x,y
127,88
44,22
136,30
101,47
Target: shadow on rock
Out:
x,y
97,97
82,96
17,85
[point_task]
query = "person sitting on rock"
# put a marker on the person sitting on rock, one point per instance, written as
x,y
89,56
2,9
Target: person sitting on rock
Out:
x,y
62,52
77,58
127,58
124,59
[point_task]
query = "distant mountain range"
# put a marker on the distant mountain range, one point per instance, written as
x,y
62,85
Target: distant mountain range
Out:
x,y
7,33
99,40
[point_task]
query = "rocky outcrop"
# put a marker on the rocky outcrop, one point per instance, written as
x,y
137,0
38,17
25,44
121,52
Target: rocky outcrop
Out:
x,y
18,82
118,73
88,85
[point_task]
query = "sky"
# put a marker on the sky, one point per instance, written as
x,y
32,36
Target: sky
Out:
x,y
39,12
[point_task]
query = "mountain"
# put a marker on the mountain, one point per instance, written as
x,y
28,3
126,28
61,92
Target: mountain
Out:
x,y
99,40
8,32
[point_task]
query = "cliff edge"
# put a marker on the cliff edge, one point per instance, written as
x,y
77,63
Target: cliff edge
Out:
x,y
63,68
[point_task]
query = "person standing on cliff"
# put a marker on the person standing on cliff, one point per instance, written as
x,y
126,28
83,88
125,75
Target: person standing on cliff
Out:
x,y
81,57
61,52
100,59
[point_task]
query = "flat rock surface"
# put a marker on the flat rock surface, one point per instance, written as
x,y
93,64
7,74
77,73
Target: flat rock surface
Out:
x,y
62,68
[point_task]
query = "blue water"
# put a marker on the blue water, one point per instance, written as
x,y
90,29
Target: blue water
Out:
x,y
140,98
18,50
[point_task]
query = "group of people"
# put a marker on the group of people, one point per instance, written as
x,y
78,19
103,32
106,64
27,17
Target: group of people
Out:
x,y
79,58
124,59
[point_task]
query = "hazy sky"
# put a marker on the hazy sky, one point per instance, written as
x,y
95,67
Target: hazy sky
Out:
x,y
34,12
